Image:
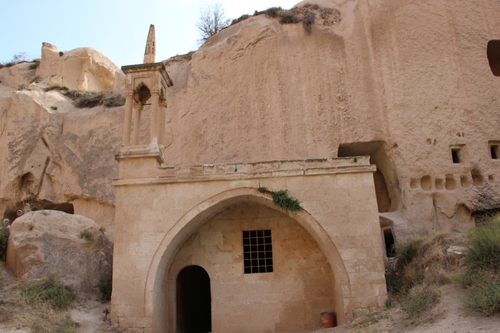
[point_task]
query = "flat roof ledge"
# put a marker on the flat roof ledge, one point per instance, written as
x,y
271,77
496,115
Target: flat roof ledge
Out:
x,y
241,171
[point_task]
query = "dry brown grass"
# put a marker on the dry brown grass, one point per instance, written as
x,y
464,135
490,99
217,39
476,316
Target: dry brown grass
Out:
x,y
17,314
422,265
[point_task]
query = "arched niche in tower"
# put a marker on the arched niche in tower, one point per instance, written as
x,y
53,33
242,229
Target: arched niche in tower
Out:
x,y
142,94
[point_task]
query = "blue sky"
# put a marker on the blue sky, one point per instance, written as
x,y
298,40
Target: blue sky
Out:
x,y
117,28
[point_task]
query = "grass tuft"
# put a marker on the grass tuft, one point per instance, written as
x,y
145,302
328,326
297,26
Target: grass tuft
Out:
x,y
485,249
282,200
482,278
420,299
87,235
49,292
285,202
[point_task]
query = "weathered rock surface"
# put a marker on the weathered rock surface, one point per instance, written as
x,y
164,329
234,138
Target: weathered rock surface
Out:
x,y
50,243
55,154
401,81
81,68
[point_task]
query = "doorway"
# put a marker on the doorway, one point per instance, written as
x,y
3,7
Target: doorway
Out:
x,y
193,300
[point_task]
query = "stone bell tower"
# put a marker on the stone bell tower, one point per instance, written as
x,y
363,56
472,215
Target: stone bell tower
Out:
x,y
146,103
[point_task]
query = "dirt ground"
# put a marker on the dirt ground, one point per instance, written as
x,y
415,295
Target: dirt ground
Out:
x,y
448,316
89,315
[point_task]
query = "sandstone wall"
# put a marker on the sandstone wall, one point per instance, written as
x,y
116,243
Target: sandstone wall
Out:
x,y
411,77
170,205
299,267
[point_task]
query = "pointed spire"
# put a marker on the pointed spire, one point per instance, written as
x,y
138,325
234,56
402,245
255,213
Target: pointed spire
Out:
x,y
150,52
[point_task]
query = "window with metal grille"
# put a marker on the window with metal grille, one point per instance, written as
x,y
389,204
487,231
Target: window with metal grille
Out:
x,y
257,251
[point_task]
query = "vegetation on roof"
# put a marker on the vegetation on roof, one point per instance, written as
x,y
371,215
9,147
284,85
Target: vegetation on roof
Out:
x,y
89,99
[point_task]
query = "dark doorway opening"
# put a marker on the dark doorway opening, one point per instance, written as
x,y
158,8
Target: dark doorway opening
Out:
x,y
194,309
389,243
493,54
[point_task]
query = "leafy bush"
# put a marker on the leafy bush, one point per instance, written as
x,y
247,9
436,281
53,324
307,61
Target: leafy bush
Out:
x,y
282,200
49,292
285,202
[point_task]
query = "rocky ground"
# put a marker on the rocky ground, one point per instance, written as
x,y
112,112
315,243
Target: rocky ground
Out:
x,y
86,315
89,315
448,316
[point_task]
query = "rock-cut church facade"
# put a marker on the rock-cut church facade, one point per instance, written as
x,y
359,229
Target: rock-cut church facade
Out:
x,y
380,119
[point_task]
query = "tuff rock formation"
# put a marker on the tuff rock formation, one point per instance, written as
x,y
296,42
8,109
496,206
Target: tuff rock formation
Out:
x,y
408,83
72,248
55,155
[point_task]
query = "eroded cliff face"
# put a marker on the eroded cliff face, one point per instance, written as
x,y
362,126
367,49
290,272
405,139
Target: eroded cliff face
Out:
x,y
55,155
406,82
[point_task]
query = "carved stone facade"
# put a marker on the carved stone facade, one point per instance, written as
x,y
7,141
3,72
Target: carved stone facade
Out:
x,y
187,224
381,120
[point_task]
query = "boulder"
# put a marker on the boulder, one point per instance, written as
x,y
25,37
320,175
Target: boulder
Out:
x,y
71,248
19,75
82,69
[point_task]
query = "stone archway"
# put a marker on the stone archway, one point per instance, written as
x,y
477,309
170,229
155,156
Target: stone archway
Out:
x,y
159,283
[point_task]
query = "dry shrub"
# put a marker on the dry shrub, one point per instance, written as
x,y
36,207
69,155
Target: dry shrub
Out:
x,y
420,299
56,87
49,292
88,99
420,261
482,278
114,100
239,19
308,21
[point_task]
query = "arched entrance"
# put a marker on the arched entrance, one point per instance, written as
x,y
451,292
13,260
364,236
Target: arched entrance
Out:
x,y
162,297
193,301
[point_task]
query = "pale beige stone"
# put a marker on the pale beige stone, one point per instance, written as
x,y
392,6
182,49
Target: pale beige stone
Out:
x,y
357,119
80,69
50,244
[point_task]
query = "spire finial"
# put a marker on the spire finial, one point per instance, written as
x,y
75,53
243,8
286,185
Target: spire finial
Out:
x,y
150,52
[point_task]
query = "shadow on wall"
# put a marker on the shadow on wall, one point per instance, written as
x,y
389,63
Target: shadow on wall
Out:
x,y
385,178
26,206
